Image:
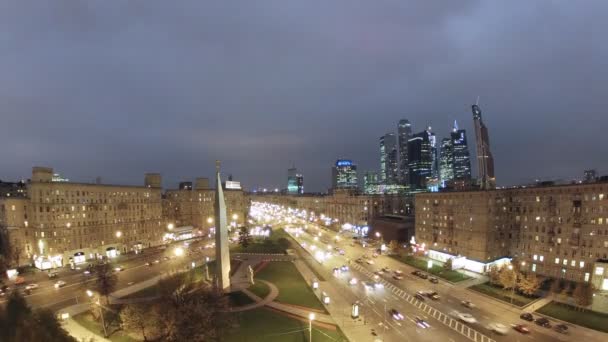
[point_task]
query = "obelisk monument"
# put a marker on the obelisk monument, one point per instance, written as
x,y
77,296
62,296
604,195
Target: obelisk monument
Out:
x,y
222,254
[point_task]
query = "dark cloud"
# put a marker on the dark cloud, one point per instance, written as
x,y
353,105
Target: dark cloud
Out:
x,y
120,88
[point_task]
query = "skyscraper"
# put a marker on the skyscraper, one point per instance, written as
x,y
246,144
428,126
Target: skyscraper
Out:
x,y
388,159
462,160
485,161
446,161
404,132
370,182
292,181
344,175
300,182
420,154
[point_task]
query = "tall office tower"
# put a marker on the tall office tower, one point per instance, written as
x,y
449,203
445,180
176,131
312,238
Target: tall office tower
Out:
x,y
434,156
462,160
485,161
420,154
446,161
590,176
300,182
292,181
344,175
404,131
388,159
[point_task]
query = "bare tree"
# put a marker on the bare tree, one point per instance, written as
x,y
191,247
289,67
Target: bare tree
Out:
x,y
142,318
106,280
583,295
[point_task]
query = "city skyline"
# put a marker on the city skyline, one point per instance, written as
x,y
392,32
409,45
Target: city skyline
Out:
x,y
141,100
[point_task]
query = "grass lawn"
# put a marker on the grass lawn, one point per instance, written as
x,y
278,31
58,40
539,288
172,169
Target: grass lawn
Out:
x,y
261,245
87,321
239,299
293,288
260,289
502,294
269,326
151,291
590,319
437,270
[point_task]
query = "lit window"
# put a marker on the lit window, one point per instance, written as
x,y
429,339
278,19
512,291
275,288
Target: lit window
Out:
x,y
537,198
601,196
537,218
586,276
533,267
535,257
559,240
599,271
582,264
573,263
542,258
565,262
600,221
557,260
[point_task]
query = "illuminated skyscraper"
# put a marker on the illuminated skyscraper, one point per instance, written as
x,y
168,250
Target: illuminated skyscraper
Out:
x,y
446,161
344,175
292,181
404,132
462,159
300,182
485,161
421,159
388,159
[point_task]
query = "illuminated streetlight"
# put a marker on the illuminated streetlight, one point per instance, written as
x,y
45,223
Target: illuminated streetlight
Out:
x,y
118,234
210,220
178,251
235,216
170,226
311,317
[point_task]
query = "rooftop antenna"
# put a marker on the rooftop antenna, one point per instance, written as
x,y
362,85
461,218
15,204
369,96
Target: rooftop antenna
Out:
x,y
477,102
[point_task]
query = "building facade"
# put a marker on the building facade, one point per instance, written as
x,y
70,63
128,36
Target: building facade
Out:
x,y
292,181
344,175
462,159
446,161
554,231
421,160
389,167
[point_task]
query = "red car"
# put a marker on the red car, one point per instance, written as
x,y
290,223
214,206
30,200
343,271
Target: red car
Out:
x,y
521,328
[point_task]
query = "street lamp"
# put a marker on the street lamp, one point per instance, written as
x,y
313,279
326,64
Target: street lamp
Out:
x,y
118,234
170,226
90,294
311,317
512,284
210,220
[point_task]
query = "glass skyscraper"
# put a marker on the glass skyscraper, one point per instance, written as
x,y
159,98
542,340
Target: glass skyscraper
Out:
x,y
389,171
344,175
404,132
421,159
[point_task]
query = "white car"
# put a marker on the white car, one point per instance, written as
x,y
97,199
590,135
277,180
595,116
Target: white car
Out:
x,y
499,328
31,286
370,262
59,284
468,304
353,281
466,317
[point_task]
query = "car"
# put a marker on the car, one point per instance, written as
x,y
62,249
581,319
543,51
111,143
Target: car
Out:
x,y
398,272
148,264
526,316
156,261
86,272
468,304
433,295
359,261
421,323
395,314
342,252
420,296
118,268
423,275
53,275
370,262
386,269
378,285
378,273
521,328
498,328
30,287
416,273
165,258
397,277
59,284
352,281
543,322
368,285
465,317
433,280
344,268
561,328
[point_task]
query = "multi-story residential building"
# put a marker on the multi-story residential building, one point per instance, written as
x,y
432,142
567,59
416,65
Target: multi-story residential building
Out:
x,y
343,206
194,207
554,231
13,224
63,223
12,189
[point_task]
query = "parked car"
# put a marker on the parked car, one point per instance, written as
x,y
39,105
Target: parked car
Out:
x,y
433,295
423,275
467,304
52,275
420,296
561,328
526,316
397,277
398,272
416,273
521,328
543,322
433,280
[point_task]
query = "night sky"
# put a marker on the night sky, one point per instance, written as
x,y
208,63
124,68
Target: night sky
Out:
x,y
119,88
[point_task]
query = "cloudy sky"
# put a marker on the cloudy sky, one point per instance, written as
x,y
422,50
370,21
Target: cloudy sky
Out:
x,y
119,88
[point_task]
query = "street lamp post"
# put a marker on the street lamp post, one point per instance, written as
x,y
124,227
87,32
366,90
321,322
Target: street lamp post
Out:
x,y
103,323
512,285
311,317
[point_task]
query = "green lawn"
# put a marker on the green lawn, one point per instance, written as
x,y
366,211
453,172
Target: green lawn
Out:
x,y
269,326
502,294
261,245
239,299
293,288
590,319
151,291
436,270
87,321
260,289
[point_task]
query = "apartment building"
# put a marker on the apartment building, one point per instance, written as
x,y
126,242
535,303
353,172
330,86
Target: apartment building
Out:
x,y
555,231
